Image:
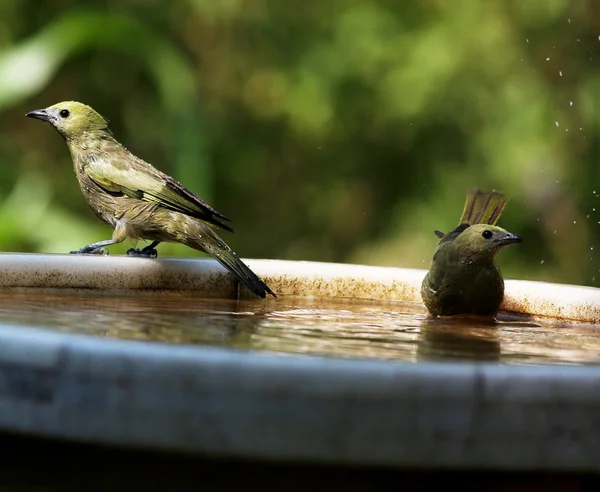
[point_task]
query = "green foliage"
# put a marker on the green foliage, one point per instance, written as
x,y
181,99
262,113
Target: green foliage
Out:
x,y
333,131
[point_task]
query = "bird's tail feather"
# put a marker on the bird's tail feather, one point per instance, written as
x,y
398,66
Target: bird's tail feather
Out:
x,y
209,242
482,207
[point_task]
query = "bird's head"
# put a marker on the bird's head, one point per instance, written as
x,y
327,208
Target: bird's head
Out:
x,y
481,240
72,119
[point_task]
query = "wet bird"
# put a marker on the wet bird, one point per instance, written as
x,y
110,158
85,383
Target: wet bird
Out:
x,y
463,277
136,199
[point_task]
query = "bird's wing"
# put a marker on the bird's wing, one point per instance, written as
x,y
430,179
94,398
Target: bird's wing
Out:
x,y
140,180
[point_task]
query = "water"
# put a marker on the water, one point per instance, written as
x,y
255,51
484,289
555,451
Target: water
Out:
x,y
363,329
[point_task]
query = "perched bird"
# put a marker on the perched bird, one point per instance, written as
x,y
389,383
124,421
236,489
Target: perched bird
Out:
x,y
136,199
463,277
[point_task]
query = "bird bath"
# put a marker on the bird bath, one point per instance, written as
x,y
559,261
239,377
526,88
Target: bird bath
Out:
x,y
343,368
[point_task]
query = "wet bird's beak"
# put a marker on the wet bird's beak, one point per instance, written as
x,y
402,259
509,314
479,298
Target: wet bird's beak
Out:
x,y
509,238
38,114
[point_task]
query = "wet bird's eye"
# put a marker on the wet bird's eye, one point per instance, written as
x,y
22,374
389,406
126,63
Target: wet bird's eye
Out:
x,y
64,113
487,234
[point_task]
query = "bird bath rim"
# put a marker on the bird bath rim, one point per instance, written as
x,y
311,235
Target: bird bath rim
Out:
x,y
296,278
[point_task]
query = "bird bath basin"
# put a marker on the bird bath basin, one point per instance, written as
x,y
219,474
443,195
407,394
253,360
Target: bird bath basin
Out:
x,y
343,368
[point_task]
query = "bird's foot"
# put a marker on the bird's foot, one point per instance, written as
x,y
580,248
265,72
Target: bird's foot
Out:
x,y
90,251
142,253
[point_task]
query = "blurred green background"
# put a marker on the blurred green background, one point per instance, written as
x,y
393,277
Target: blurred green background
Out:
x,y
329,130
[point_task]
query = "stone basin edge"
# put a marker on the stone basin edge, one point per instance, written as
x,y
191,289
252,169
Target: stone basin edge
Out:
x,y
309,279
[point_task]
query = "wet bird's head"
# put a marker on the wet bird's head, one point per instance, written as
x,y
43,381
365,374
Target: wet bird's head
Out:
x,y
72,119
481,240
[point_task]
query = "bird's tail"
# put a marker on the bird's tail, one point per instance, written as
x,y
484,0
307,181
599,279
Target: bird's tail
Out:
x,y
482,207
209,242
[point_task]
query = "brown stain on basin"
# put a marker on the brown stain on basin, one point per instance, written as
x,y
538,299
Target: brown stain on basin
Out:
x,y
346,287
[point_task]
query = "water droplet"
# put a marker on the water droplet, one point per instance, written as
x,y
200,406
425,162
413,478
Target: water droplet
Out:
x,y
556,123
571,104
548,59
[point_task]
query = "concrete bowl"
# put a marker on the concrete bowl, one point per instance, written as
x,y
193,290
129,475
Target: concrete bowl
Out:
x,y
253,405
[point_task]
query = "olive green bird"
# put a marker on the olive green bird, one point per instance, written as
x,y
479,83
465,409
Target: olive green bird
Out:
x,y
463,277
136,199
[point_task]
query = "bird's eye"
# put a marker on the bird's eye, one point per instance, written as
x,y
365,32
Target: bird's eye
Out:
x,y
487,234
64,113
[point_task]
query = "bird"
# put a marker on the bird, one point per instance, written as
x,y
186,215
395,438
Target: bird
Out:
x,y
137,200
463,277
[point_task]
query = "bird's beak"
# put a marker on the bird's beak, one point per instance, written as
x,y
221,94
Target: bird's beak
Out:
x,y
509,238
38,114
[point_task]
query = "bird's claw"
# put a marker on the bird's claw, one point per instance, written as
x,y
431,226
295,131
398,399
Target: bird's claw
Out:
x,y
142,253
88,251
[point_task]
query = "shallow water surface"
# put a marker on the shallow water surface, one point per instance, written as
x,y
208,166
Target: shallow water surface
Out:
x,y
342,328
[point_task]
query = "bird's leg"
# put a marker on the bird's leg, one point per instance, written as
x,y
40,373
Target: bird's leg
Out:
x,y
94,248
146,252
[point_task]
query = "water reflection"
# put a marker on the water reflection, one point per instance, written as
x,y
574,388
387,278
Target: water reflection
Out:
x,y
342,328
450,343
166,318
